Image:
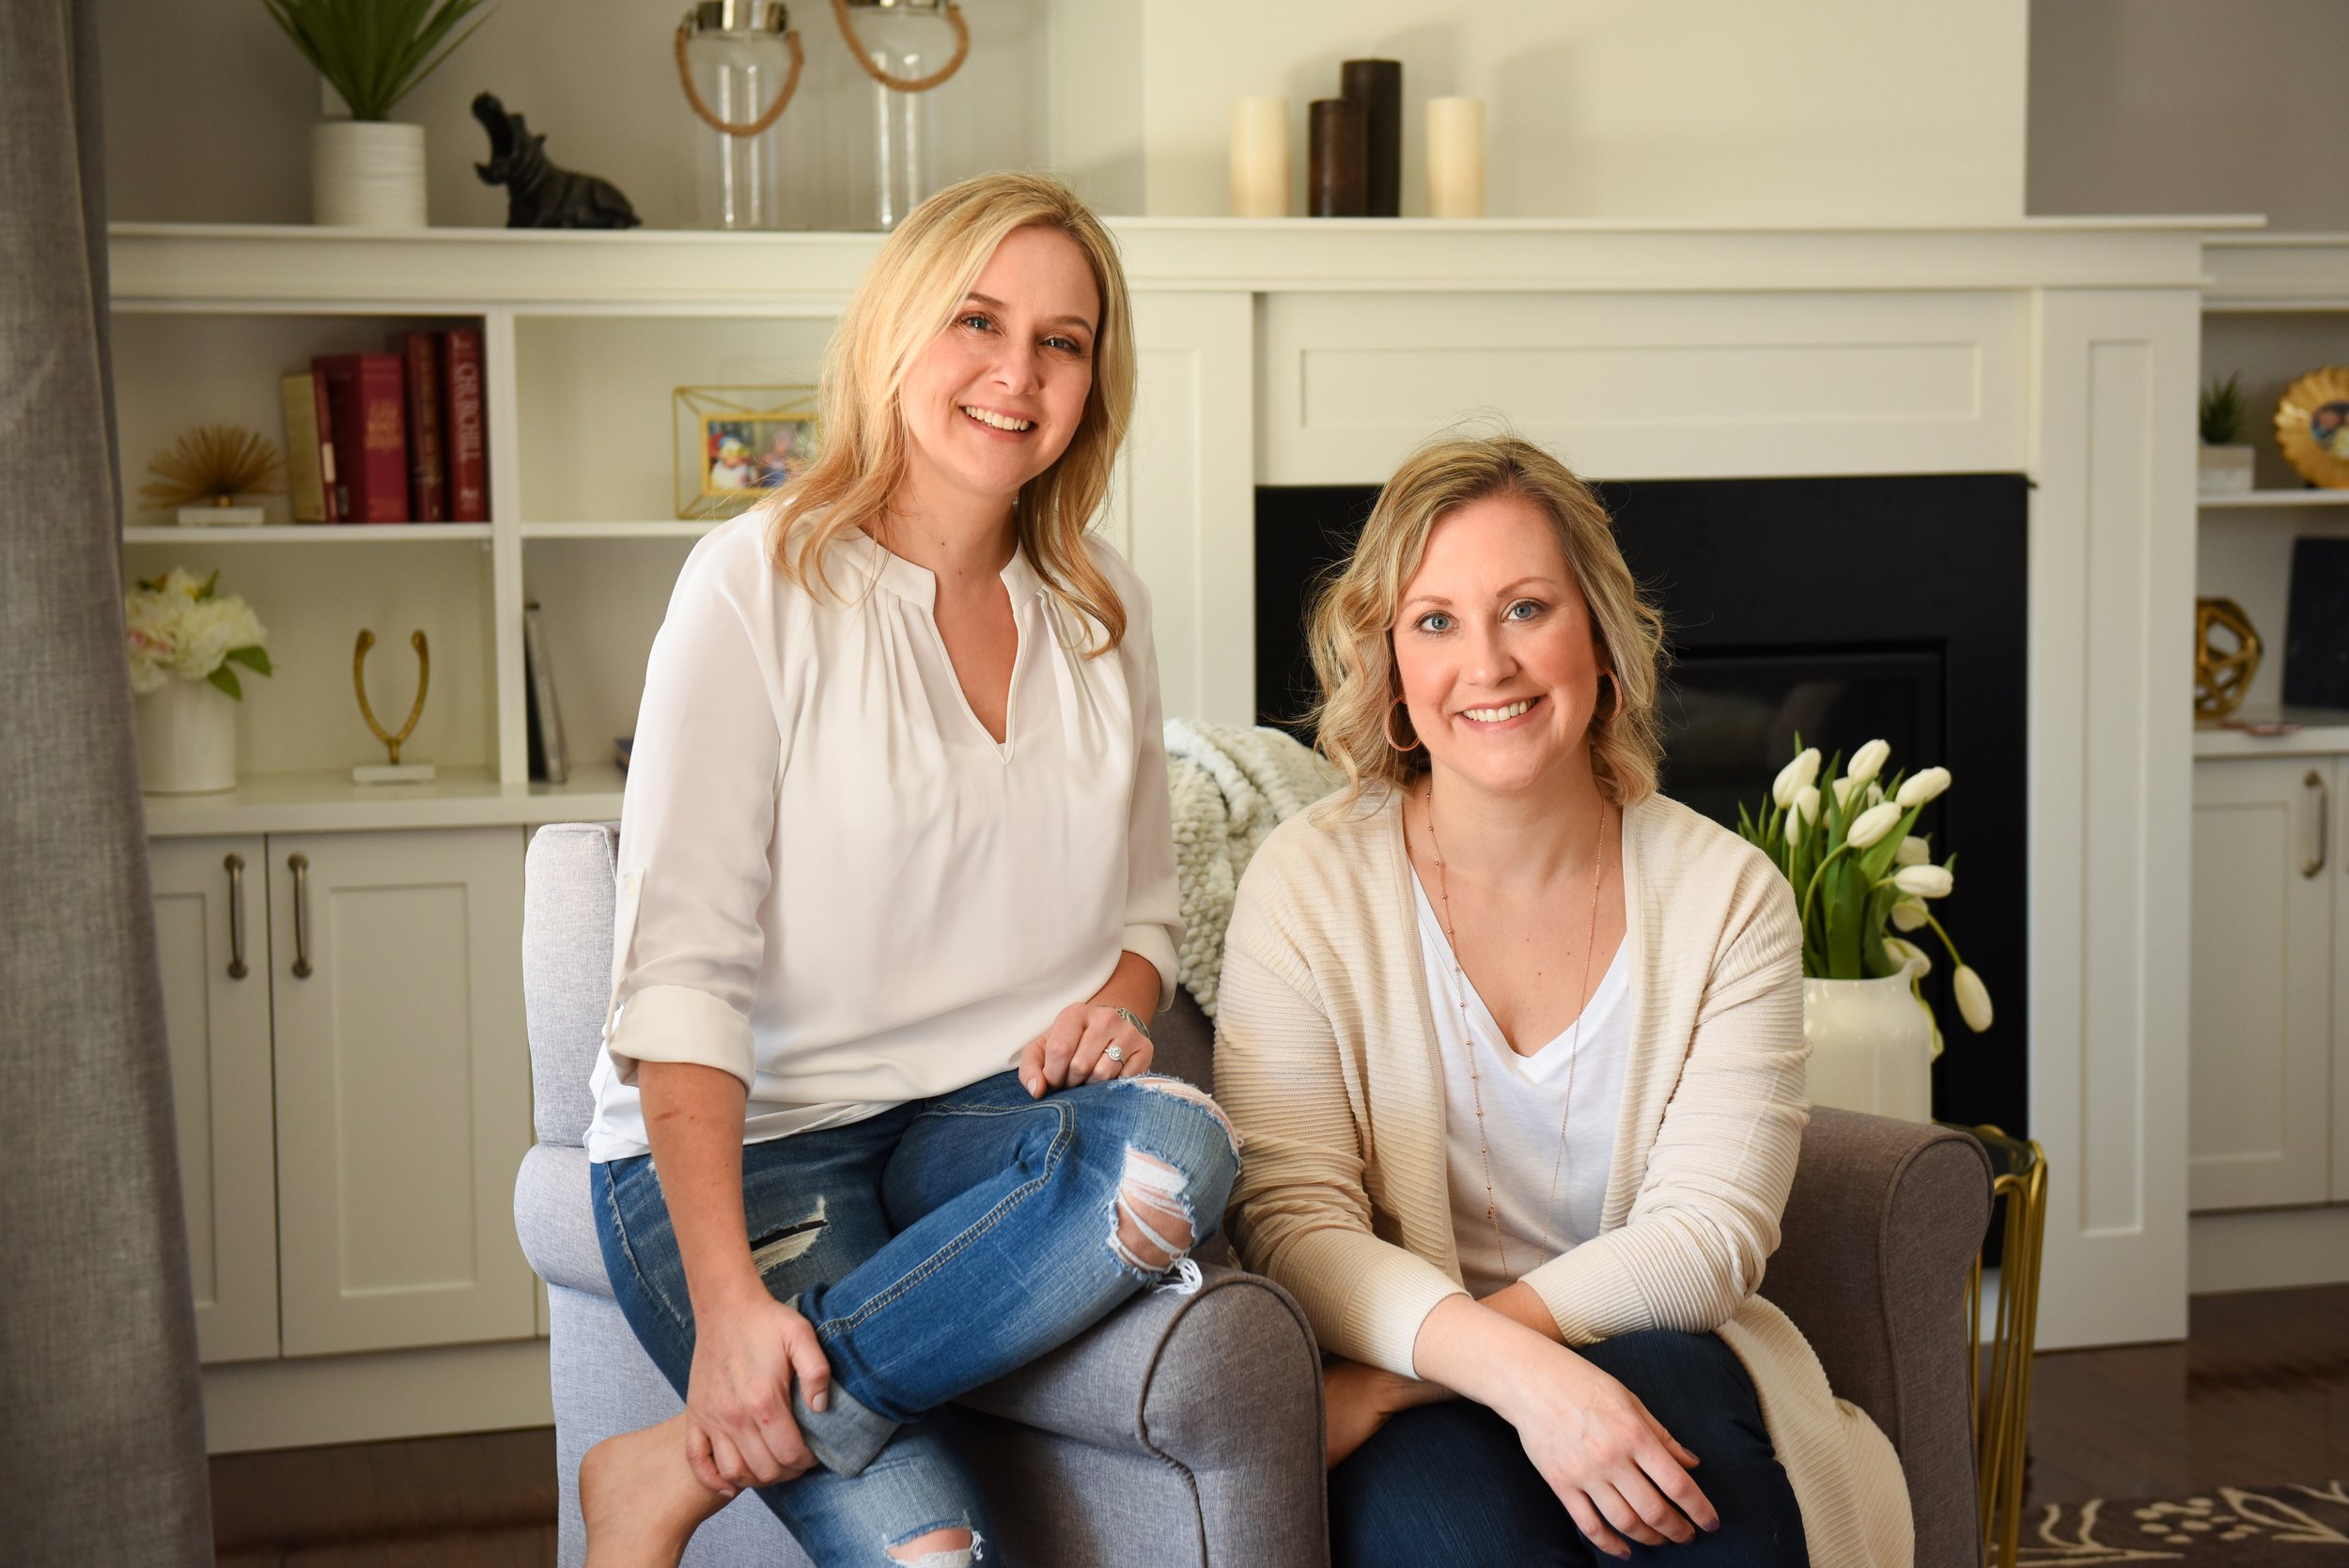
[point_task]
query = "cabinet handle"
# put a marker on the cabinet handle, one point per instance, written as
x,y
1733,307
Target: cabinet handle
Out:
x,y
300,865
2324,822
235,864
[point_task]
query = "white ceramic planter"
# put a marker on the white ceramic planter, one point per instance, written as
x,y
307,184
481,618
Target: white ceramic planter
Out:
x,y
2225,470
1870,1047
187,739
367,174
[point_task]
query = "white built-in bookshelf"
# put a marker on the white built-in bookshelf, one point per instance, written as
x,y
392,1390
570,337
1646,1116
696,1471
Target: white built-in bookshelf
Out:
x,y
585,338
2277,307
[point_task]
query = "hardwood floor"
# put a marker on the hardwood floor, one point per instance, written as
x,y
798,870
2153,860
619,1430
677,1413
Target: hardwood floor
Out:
x,y
484,1501
2259,1394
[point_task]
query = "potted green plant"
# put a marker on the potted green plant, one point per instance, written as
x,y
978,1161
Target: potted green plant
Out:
x,y
367,171
1863,883
2226,463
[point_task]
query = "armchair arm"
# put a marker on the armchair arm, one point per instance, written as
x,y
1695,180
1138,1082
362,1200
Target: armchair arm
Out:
x,y
1219,1390
1879,1236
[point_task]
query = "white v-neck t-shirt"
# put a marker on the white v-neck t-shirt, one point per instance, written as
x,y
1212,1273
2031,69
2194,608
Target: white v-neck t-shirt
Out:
x,y
1538,1189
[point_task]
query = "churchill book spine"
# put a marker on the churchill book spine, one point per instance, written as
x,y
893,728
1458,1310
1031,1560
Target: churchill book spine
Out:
x,y
464,427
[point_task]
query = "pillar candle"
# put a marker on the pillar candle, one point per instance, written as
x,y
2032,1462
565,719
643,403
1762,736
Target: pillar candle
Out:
x,y
1260,158
1456,157
1377,86
1337,167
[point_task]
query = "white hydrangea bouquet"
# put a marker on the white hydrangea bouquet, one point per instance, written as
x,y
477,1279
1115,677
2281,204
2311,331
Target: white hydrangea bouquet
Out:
x,y
1843,839
182,627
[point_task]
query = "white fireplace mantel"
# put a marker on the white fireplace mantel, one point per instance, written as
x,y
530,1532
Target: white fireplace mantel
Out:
x,y
1319,352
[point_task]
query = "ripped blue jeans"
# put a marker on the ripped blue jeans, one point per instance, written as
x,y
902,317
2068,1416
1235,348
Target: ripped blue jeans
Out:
x,y
935,1247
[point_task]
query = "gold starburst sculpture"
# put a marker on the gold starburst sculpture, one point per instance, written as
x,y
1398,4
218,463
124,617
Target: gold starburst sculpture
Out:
x,y
2226,656
214,464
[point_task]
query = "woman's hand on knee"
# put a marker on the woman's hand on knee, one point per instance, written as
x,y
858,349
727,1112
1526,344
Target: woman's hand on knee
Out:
x,y
1077,1050
1620,1474
1358,1400
739,1428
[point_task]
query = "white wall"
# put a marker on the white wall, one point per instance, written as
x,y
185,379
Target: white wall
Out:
x,y
1791,110
208,107
2185,106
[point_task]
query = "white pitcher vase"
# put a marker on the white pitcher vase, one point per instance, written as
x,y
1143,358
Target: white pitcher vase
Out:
x,y
187,739
1870,1047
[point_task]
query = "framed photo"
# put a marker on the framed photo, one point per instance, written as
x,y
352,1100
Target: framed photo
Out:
x,y
734,444
2313,427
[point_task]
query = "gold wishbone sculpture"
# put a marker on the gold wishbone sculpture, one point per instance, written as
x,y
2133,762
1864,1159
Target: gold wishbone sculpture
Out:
x,y
423,684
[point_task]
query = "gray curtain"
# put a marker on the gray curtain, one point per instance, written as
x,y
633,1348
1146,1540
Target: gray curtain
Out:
x,y
102,1425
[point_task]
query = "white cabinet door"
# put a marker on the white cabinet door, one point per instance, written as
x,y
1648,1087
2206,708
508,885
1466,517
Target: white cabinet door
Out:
x,y
2336,871
211,935
2262,1063
404,1092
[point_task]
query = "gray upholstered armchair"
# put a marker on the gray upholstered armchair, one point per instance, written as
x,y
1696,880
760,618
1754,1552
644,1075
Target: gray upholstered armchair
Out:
x,y
1187,1429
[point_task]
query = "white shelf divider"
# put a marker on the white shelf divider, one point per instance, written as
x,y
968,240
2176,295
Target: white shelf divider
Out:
x,y
656,529
2264,500
2323,732
307,534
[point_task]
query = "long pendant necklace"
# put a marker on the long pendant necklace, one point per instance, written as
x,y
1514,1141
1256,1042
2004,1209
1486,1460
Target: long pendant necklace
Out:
x,y
1468,1038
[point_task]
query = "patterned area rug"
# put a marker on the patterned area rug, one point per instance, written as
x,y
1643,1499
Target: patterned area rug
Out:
x,y
2234,1527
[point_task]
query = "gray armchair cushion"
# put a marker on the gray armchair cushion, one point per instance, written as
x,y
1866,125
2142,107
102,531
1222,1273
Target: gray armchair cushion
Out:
x,y
567,908
1880,1234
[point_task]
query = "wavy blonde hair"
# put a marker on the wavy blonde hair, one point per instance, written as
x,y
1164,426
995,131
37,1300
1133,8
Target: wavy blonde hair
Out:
x,y
1351,631
907,299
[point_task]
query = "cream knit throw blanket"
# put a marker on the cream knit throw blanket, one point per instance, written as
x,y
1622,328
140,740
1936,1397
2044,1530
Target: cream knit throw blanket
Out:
x,y
1231,787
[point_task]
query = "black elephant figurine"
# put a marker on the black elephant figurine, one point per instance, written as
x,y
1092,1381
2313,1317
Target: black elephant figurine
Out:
x,y
541,193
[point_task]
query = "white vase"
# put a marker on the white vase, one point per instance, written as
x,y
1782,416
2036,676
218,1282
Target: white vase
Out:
x,y
367,174
1870,1047
187,737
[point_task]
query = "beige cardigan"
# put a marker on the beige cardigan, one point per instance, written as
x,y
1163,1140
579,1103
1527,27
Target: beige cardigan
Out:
x,y
1325,1058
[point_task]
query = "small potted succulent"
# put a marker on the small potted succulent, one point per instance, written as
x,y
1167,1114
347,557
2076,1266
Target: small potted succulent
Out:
x,y
186,640
367,171
2226,463
1863,884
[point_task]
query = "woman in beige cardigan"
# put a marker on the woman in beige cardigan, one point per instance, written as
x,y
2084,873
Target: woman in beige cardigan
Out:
x,y
1418,976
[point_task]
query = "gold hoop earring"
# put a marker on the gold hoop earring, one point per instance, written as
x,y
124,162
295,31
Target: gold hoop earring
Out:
x,y
1386,728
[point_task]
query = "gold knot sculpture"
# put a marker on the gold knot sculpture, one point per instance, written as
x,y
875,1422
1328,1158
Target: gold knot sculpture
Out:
x,y
423,684
2226,656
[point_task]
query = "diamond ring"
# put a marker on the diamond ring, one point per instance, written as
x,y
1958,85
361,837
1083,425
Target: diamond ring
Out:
x,y
1116,1054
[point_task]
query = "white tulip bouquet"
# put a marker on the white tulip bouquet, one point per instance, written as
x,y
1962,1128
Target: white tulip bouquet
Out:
x,y
1859,875
180,626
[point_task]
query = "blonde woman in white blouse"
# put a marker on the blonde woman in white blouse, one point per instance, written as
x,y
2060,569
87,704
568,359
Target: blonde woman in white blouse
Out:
x,y
1516,1045
874,1119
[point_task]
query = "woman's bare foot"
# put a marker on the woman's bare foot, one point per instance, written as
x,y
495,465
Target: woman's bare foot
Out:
x,y
639,1499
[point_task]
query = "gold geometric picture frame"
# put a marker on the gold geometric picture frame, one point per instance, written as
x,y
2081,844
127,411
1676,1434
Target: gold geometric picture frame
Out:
x,y
2313,427
734,444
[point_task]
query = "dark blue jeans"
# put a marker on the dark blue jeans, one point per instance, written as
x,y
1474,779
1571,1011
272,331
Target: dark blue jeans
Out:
x,y
935,1247
1448,1485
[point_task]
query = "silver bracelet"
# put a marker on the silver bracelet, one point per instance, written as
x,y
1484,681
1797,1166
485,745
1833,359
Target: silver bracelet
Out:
x,y
1140,1026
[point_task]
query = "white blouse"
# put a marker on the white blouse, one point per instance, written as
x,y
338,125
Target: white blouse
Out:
x,y
1548,1195
834,884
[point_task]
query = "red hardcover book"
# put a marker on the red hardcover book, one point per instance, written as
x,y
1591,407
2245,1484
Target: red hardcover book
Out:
x,y
370,433
464,427
427,494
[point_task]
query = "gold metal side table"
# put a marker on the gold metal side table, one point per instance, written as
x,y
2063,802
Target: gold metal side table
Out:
x,y
2019,1198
